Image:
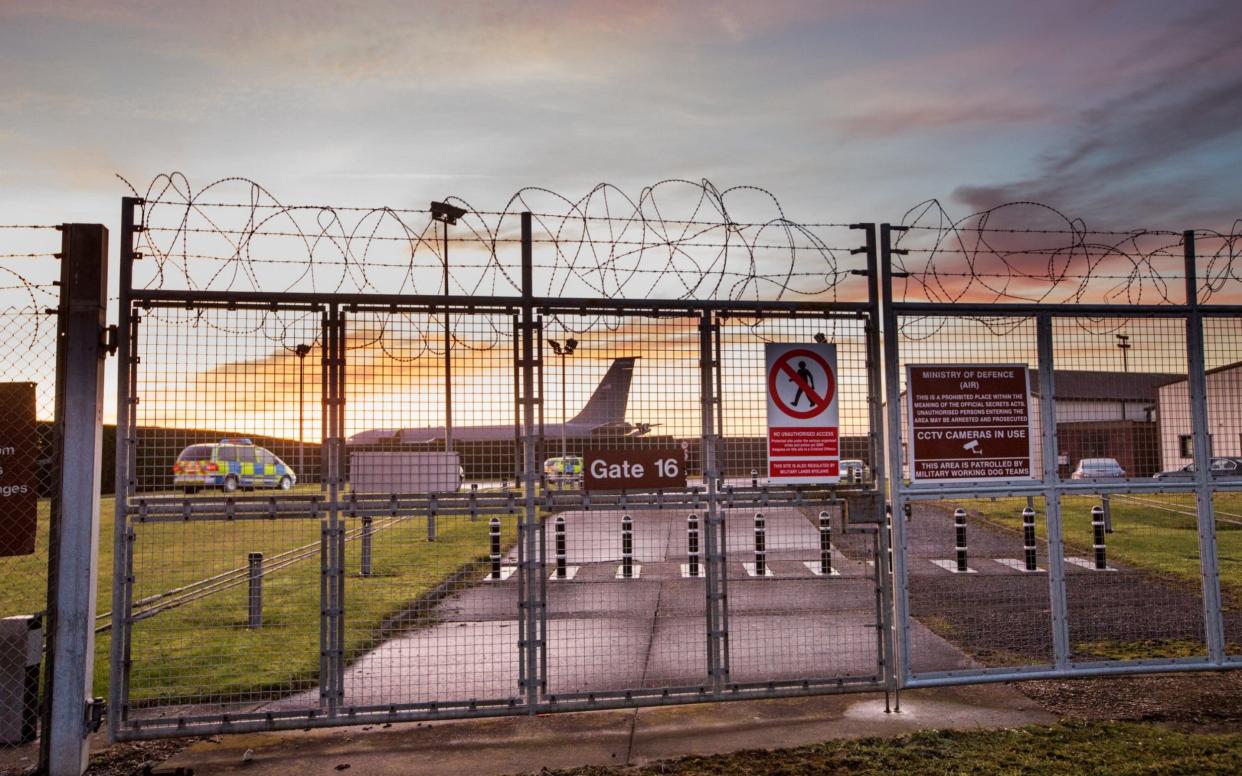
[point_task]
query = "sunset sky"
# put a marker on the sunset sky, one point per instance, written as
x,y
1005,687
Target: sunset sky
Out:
x,y
1124,114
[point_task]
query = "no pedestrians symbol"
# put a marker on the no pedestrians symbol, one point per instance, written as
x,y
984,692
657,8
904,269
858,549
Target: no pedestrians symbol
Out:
x,y
806,376
803,418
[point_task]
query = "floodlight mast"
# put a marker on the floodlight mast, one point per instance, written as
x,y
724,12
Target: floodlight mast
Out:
x,y
301,351
564,351
447,215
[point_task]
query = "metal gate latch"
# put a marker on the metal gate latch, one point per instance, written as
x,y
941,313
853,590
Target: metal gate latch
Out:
x,y
96,710
109,337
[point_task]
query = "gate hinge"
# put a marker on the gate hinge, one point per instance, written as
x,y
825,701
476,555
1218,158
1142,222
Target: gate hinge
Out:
x,y
109,337
96,709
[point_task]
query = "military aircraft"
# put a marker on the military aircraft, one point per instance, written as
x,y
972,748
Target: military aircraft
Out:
x,y
604,413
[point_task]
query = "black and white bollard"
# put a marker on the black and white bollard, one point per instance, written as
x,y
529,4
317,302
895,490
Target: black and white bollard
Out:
x,y
1028,538
959,526
495,532
255,560
761,542
561,569
367,530
692,544
1097,528
825,544
754,478
627,547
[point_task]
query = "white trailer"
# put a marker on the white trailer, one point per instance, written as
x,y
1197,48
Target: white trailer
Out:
x,y
404,472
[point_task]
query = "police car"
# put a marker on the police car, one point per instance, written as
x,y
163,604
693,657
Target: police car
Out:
x,y
229,465
563,469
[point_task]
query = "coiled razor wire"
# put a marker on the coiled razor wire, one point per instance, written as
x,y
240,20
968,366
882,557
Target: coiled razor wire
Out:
x,y
676,240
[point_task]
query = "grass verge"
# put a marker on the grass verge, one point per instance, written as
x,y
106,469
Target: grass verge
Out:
x,y
1154,532
204,651
1117,749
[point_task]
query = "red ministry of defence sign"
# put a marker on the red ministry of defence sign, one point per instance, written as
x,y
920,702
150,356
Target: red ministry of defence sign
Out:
x,y
803,414
969,421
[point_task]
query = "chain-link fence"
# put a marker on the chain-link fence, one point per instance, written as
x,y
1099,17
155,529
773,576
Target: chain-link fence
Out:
x,y
28,476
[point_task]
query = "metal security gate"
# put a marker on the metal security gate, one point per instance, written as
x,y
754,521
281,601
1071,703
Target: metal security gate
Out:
x,y
1105,560
342,507
344,499
694,621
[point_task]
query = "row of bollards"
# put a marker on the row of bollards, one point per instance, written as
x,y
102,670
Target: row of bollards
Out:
x,y
694,567
1099,527
694,556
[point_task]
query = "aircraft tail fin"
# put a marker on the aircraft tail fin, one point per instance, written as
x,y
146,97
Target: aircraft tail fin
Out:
x,y
607,405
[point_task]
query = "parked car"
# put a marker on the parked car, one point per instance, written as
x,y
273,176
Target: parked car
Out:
x,y
853,470
563,469
1223,467
231,464
1097,468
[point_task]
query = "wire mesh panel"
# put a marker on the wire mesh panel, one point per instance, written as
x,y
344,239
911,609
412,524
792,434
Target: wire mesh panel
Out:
x,y
28,476
789,617
1132,567
1121,397
226,516
1223,362
216,389
1132,581
427,622
978,584
972,601
625,613
1227,508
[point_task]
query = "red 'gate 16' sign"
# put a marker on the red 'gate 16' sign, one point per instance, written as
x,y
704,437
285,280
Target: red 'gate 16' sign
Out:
x,y
803,418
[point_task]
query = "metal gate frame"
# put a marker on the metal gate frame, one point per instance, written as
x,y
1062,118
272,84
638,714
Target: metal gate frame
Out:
x,y
865,505
1049,486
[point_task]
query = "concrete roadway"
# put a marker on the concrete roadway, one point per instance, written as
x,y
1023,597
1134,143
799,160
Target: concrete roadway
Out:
x,y
609,634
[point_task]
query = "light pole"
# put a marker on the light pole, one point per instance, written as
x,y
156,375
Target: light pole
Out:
x,y
301,351
447,215
564,351
1123,343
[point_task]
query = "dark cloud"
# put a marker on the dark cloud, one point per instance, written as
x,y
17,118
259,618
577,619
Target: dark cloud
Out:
x,y
1150,153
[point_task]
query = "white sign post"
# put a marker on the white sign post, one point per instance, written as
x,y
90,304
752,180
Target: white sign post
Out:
x,y
803,415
